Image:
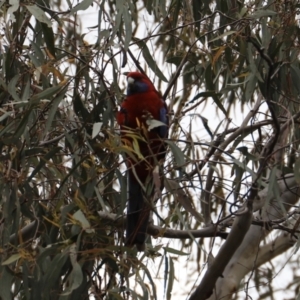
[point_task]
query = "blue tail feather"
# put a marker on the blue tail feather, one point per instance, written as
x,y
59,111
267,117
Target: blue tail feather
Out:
x,y
138,212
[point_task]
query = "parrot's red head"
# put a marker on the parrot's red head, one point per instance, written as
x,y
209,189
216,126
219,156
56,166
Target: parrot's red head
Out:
x,y
138,83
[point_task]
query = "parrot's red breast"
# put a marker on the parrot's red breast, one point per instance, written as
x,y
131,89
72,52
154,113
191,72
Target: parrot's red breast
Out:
x,y
143,103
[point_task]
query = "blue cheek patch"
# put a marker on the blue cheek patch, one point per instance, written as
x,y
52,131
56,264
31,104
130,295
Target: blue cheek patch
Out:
x,y
137,87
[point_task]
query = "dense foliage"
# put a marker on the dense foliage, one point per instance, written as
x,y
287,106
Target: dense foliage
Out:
x,y
231,182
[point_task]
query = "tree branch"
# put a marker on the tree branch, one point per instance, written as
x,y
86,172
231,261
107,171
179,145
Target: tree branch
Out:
x,y
236,236
158,231
248,256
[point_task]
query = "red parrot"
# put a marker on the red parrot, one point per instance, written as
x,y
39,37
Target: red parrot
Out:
x,y
143,103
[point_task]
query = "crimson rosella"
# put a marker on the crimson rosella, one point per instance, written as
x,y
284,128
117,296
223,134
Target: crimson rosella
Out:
x,y
142,104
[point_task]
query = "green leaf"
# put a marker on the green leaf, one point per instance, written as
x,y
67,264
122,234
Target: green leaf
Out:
x,y
80,109
170,279
236,183
297,170
35,60
175,251
144,289
14,6
263,13
223,35
152,123
176,60
6,283
197,11
253,65
96,129
43,161
205,95
206,127
219,104
243,167
49,38
53,111
79,216
85,4
274,192
209,78
54,271
241,137
46,94
39,14
74,279
77,276
6,115
23,123
178,154
39,55
244,151
295,75
211,88
146,270
149,59
166,272
11,259
26,92
250,87
128,32
12,87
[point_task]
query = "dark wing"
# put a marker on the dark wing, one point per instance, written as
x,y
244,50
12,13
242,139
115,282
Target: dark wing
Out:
x,y
163,117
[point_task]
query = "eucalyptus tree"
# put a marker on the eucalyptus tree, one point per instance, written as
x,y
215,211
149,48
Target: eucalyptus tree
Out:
x,y
229,71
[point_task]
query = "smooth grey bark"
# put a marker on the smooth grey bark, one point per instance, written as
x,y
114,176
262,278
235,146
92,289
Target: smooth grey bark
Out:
x,y
251,254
